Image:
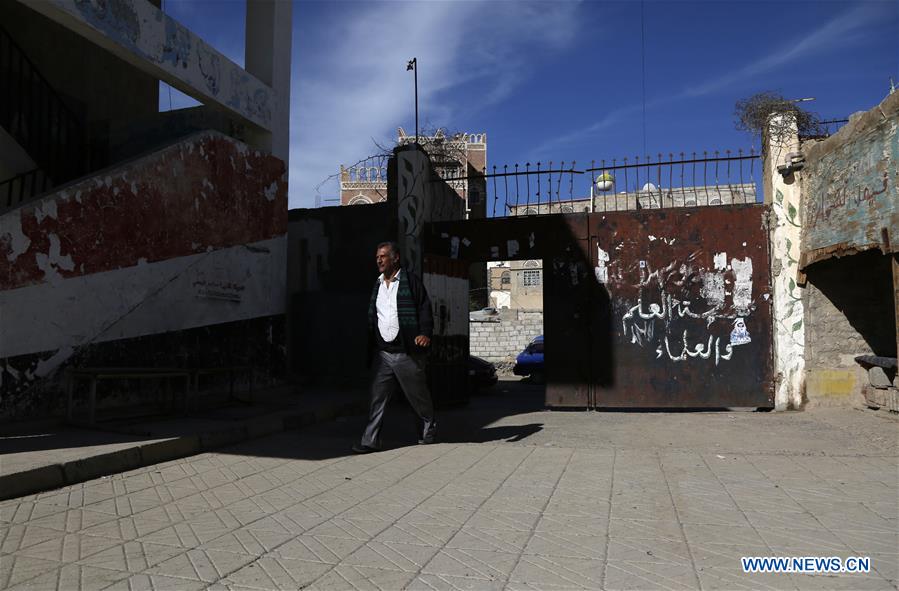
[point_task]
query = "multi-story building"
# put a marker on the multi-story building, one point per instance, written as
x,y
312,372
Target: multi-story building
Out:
x,y
132,237
460,159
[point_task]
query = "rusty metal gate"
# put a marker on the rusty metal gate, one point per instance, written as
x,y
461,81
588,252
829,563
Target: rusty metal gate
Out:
x,y
642,309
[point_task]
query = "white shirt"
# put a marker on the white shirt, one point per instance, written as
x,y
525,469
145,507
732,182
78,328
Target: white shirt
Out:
x,y
388,317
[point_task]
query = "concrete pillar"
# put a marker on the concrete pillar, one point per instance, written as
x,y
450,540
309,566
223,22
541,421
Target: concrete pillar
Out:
x,y
267,57
783,193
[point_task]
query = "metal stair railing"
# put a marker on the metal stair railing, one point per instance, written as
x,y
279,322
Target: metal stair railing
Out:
x,y
22,187
38,118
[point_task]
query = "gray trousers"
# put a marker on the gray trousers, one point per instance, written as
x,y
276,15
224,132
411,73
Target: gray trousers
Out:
x,y
407,372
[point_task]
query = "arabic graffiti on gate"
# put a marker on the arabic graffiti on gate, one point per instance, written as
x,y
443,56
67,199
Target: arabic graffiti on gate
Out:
x,y
672,328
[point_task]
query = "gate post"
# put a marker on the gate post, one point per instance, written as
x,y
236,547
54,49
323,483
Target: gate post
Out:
x,y
782,192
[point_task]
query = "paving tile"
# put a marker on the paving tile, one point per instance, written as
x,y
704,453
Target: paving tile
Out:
x,y
728,578
15,569
564,544
428,582
437,515
836,515
362,578
391,555
723,555
510,520
186,534
478,564
288,522
132,556
558,572
712,515
885,509
498,540
248,541
202,565
126,528
648,550
652,529
270,572
356,529
722,534
867,542
575,525
426,534
782,520
886,564
71,577
324,549
848,582
43,582
648,575
27,509
466,502
806,541
145,582
69,547
73,520
18,537
631,509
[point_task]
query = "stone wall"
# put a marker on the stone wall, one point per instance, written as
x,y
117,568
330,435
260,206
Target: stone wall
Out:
x,y
505,335
849,312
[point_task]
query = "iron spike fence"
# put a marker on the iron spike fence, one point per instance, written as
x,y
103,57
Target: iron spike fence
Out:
x,y
690,180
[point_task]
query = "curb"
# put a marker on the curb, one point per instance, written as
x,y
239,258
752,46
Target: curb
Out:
x,y
54,476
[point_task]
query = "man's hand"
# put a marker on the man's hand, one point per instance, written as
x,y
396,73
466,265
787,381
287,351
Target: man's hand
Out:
x,y
422,341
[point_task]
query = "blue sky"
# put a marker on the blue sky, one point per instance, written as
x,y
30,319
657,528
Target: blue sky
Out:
x,y
560,80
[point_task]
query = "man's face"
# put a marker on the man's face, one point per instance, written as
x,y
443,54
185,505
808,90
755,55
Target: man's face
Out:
x,y
384,260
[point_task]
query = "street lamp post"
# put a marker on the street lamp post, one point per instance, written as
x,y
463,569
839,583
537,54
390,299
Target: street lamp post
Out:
x,y
413,65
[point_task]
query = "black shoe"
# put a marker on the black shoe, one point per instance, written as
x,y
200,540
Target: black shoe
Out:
x,y
364,449
428,441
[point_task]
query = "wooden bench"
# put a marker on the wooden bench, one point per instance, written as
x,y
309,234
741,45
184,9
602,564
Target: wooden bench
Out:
x,y
95,374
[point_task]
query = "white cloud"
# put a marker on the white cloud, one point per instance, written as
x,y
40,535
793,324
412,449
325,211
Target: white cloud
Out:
x,y
841,31
358,89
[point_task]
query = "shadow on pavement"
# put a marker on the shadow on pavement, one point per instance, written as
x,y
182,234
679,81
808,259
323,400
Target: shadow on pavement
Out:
x,y
473,423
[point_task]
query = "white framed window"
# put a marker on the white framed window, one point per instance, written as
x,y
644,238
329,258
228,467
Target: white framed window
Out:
x,y
530,278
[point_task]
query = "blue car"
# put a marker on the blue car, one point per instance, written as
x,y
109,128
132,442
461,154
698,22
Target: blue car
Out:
x,y
530,361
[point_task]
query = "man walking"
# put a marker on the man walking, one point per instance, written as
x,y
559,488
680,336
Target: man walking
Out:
x,y
399,329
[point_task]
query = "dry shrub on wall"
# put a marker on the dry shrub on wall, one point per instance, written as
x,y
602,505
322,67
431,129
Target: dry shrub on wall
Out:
x,y
752,114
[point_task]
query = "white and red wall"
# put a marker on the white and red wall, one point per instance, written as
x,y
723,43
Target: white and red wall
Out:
x,y
176,257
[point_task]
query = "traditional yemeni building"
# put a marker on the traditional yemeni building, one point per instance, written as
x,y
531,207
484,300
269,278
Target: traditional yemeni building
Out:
x,y
457,158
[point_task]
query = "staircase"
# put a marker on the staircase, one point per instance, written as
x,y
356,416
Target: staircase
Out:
x,y
39,120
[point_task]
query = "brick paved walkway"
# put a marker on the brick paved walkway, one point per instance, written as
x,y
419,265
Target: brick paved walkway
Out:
x,y
294,510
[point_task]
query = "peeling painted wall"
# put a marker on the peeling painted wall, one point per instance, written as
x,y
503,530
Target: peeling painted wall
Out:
x,y
142,34
421,197
190,236
851,187
201,194
788,309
